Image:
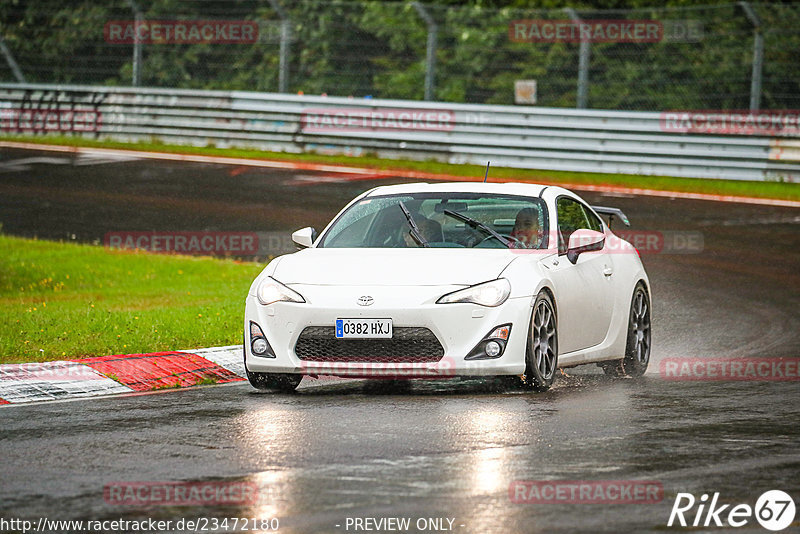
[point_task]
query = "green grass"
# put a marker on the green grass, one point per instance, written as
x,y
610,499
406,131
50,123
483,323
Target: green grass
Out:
x,y
207,381
64,301
777,190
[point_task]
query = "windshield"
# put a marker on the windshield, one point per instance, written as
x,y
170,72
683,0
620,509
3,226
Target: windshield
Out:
x,y
441,220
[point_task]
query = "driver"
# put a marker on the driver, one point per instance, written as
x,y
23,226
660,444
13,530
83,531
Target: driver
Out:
x,y
526,228
430,230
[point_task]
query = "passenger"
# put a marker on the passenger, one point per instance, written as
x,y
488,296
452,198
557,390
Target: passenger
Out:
x,y
526,228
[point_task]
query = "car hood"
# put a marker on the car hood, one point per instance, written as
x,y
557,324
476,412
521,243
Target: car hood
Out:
x,y
392,267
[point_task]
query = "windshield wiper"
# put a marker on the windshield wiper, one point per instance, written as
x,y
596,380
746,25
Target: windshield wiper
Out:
x,y
414,228
477,224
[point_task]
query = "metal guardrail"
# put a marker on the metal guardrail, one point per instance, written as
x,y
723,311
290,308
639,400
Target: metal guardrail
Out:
x,y
512,136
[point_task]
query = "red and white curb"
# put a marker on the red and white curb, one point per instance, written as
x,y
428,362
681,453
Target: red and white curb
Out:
x,y
109,375
358,173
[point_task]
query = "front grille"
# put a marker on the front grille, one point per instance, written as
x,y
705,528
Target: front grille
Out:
x,y
407,345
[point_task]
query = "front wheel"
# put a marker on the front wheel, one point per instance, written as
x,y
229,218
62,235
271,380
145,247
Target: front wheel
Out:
x,y
541,355
279,381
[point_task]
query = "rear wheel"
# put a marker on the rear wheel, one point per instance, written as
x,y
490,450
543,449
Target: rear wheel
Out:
x,y
637,348
541,355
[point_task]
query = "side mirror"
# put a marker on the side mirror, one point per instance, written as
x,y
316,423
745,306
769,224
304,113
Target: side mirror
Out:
x,y
304,237
584,241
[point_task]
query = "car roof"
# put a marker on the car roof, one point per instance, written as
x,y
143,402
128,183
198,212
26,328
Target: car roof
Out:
x,y
509,188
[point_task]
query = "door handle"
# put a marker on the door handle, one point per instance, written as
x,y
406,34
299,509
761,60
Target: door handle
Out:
x,y
608,271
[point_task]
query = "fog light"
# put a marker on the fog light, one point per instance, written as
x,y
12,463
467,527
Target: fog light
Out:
x,y
260,345
493,345
492,349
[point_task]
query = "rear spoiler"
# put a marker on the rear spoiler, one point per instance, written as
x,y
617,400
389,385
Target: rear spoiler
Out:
x,y
612,212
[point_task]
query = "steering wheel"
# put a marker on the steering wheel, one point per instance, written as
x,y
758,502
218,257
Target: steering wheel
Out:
x,y
511,238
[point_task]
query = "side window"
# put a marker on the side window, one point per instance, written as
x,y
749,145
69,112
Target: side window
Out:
x,y
594,222
572,216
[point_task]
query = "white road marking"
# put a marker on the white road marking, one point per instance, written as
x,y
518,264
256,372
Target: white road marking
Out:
x,y
101,159
84,159
230,357
389,174
24,164
33,382
307,179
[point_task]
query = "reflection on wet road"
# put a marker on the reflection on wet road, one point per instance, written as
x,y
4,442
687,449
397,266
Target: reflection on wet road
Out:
x,y
439,449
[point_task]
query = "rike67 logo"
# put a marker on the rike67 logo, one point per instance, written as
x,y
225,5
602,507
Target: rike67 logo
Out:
x,y
774,510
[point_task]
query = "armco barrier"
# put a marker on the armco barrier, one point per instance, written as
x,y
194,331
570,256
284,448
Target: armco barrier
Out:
x,y
512,136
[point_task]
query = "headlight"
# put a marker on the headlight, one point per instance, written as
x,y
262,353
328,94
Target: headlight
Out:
x,y
492,294
270,290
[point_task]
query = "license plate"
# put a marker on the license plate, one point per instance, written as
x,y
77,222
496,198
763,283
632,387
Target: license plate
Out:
x,y
363,328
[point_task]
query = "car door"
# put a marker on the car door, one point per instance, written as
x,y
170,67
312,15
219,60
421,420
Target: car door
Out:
x,y
583,291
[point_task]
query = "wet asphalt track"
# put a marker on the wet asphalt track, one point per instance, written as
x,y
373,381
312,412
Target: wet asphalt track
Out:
x,y
437,449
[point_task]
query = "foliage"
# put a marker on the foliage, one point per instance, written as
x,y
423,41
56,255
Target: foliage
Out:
x,y
63,300
373,48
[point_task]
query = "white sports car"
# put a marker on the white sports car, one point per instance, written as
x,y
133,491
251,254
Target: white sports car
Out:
x,y
451,279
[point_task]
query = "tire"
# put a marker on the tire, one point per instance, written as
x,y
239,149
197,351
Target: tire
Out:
x,y
285,382
541,353
638,344
277,381
387,387
508,381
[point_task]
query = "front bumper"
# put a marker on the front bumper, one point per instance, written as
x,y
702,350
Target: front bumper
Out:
x,y
458,328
